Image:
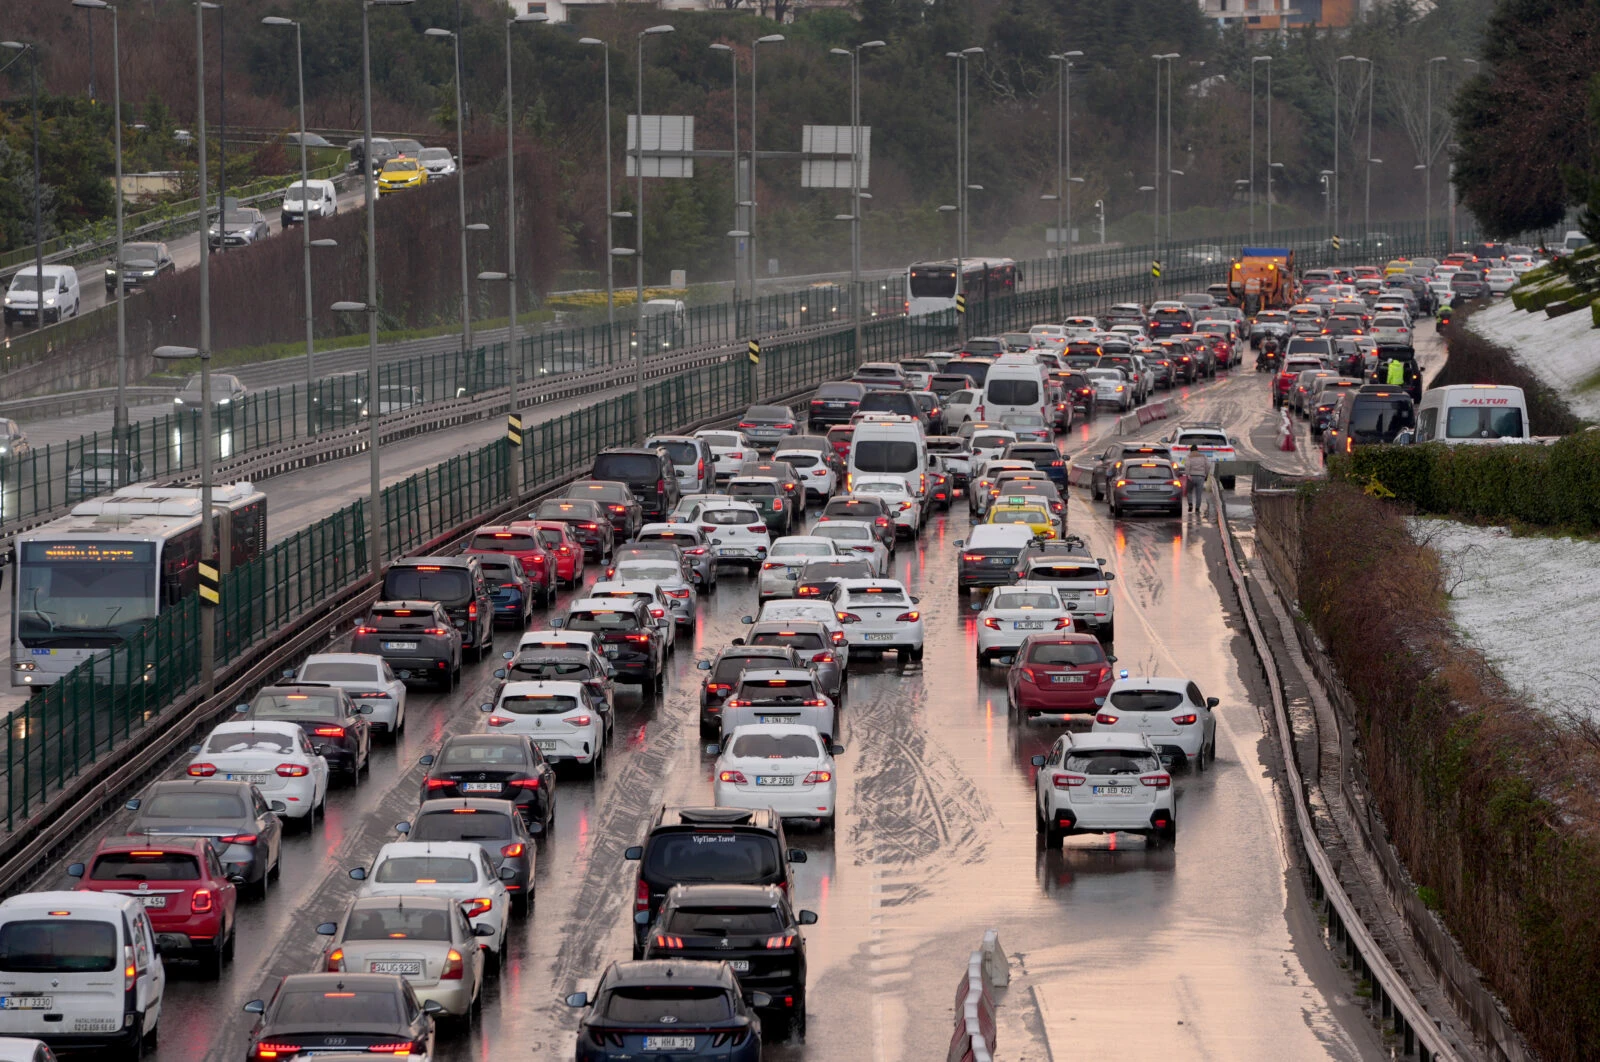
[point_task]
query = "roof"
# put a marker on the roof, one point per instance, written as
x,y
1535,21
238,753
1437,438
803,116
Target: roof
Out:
x,y
999,535
542,639
1109,739
866,584
281,727
733,895
532,688
342,658
62,899
1150,682
673,971
447,849
596,604
415,606
421,899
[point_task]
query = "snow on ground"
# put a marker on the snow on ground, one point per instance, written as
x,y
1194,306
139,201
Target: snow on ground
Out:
x,y
1528,605
1564,351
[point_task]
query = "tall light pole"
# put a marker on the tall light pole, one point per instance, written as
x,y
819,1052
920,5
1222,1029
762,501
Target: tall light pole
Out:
x,y
854,217
638,227
1063,196
1254,59
461,187
734,56
963,108
1270,163
1450,178
611,299
755,47
222,152
1427,160
1366,219
1338,66
1169,57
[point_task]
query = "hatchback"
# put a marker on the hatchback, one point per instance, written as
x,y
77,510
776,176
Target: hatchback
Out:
x,y
559,716
1170,713
723,673
766,426
814,646
522,541
738,532
493,825
629,638
425,939
780,572
493,766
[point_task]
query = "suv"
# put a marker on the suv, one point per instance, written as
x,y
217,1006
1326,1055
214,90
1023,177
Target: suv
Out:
x,y
1079,578
458,584
880,374
703,1001
725,846
834,403
1103,783
416,638
648,472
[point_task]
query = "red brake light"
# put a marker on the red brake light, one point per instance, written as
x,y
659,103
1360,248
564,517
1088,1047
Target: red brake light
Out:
x,y
641,639
1106,718
293,770
276,1049
454,968
202,770
641,896
201,901
664,941
472,610
992,623
366,630
239,838
440,783
513,850
524,783
822,658
1068,781
329,731
816,778
1186,720
847,617
500,720
1156,781
736,777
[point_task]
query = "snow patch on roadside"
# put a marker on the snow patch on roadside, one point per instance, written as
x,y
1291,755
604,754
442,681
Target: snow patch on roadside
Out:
x,y
1563,351
1529,605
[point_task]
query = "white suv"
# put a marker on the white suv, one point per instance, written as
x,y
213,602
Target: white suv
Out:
x,y
786,556
905,508
1082,583
879,615
1103,783
559,716
1170,713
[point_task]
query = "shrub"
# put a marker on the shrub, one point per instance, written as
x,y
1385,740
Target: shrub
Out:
x,y
1474,359
1572,304
1594,314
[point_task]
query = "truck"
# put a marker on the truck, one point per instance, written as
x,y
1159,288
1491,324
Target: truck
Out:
x,y
1262,278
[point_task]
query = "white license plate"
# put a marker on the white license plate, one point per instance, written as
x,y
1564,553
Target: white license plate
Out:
x,y
397,646
153,901
27,1002
253,779
406,968
1113,790
480,787
739,965
612,650
732,551
1065,679
774,779
1028,625
669,1043
880,637
1149,486
789,718
546,746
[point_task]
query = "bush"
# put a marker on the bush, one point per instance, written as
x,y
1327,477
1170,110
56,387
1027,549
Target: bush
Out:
x,y
1594,314
1572,304
1476,360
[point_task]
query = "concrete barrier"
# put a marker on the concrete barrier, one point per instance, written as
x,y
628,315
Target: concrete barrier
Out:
x,y
973,1039
996,969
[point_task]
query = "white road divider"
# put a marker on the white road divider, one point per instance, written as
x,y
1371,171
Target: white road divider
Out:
x,y
973,1039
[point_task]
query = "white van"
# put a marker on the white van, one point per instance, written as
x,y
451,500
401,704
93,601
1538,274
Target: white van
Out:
x,y
317,199
664,323
1472,413
80,970
1014,385
889,446
61,295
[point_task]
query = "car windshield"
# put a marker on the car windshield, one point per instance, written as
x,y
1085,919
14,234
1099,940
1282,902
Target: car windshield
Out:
x,y
195,806
335,1010
603,620
1069,654
1147,472
340,671
800,549
461,824
435,154
713,856
399,922
722,439
426,870
400,165
627,468
427,584
677,1004
1477,422
1381,415
1112,761
794,639
536,704
145,866
725,921
250,741
502,542
728,517
754,488
1146,700
1024,599
661,573
778,691
297,705
52,945
140,253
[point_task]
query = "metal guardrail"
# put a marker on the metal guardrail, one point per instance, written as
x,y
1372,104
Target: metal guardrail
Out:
x,y
48,407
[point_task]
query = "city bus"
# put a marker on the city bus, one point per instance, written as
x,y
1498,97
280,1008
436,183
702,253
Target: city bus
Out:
x,y
91,580
931,286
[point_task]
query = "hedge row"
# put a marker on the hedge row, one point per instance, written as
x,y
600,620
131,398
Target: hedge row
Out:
x,y
1491,805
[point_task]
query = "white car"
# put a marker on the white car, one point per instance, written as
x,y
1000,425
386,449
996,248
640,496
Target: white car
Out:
x,y
1390,330
738,533
1500,281
807,608
457,870
855,536
989,443
960,407
1132,332
780,766
18,1049
781,570
779,695
1011,613
1072,326
1103,783
367,679
556,639
275,756
1170,712
729,450
904,507
878,614
814,471
644,590
689,506
1519,263
1111,388
682,599
557,715
437,162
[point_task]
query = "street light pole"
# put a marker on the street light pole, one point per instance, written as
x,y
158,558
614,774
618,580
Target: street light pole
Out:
x,y
1254,59
208,549
1269,150
771,38
222,84
1366,216
461,189
640,427
733,55
305,212
513,360
1427,161
611,299
854,217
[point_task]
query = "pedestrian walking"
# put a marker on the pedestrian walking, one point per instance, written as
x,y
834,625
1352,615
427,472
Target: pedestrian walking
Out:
x,y
1196,469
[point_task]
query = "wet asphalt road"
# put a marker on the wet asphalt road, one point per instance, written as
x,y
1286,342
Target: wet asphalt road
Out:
x,y
1206,951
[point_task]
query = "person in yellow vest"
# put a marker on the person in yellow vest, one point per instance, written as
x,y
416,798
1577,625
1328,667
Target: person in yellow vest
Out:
x,y
1397,373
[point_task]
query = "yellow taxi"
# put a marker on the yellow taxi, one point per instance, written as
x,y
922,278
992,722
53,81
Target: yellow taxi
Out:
x,y
1024,509
1397,265
401,173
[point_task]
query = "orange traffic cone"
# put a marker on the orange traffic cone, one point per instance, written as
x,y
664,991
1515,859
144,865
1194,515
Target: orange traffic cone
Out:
x,y
1286,437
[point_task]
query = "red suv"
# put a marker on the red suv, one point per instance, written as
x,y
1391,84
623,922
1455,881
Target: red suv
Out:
x,y
521,542
566,549
180,881
1059,674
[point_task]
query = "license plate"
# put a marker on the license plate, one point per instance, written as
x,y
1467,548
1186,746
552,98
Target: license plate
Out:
x,y
1149,486
27,1002
788,717
880,637
253,779
833,405
774,779
406,968
153,901
546,746
997,562
739,965
1067,679
732,551
669,1043
1027,625
480,787
612,650
1113,790
25,313
397,646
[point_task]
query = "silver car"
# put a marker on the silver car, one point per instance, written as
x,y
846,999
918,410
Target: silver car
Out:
x,y
694,546
811,641
425,939
683,602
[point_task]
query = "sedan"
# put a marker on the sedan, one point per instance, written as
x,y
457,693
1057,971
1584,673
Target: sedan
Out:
x,y
275,757
493,766
1111,388
1059,674
232,815
587,519
400,174
330,718
784,767
693,544
1011,613
368,680
814,470
849,537
781,570
766,426
323,1013
670,1008
879,615
1500,281
227,391
451,870
425,939
492,825
1146,485
622,508
558,716
1170,712
904,507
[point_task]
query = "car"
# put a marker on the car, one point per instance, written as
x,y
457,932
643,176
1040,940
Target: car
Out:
x,y
342,1012
587,519
622,508
787,768
647,1009
437,162
750,849
766,426
657,551
572,662
681,598
1044,456
738,531
870,509
1058,674
1139,381
232,815
781,570
980,489
1080,578
905,509
1030,511
454,581
693,545
779,695
1391,330
989,555
767,494
1305,386
521,541
493,825
1112,388
1105,466
630,638
1146,485
722,675
414,638
988,442
1009,615
956,453
401,174
275,756
1032,426
791,482
506,767
190,900
815,646
1469,284
1170,713
849,537
1103,783
691,459
227,392
511,592
834,403
367,678
142,263
1500,281
565,550
786,611
729,449
427,940
961,407
881,373
239,227
337,726
559,716
813,470
879,615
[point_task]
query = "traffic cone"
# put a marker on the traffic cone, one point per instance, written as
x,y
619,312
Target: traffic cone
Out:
x,y
1286,438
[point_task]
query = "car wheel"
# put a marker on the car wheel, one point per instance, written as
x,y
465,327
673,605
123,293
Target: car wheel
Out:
x,y
594,764
1108,633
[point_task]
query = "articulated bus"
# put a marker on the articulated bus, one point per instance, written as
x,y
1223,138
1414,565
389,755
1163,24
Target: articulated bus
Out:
x,y
931,286
93,579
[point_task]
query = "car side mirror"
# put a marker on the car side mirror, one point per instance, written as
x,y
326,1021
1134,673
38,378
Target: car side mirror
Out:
x,y
807,918
703,665
1037,761
508,873
1100,561
485,707
1109,576
402,827
426,761
255,1006
75,870
716,542
241,708
288,672
1110,659
1212,702
358,873
641,918
611,670
797,855
747,620
133,805
194,750
499,672
483,930
960,542
916,601
738,641
556,623
433,1007
633,854
507,655
578,999
760,1000
794,577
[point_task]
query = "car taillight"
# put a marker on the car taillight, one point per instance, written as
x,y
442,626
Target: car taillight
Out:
x,y
736,777
744,424
777,505
679,594
524,783
1068,781
619,508
500,720
769,565
784,427
640,639
293,770
472,610
329,731
1106,718
1102,591
1064,623
366,630
478,905
736,703
454,968
781,942
201,901
882,521
658,612
1156,781
972,558
641,896
838,637
441,783
822,658
698,551
590,527
436,632
510,586
239,838
992,623
756,527
666,941
817,778
1186,720
580,720
202,770
276,1049
718,687
848,617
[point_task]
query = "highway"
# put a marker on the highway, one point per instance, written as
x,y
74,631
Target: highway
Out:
x,y
1207,950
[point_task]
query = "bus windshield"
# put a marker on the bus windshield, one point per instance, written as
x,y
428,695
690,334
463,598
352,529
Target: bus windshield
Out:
x,y
84,594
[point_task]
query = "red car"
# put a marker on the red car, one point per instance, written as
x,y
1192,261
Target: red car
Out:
x,y
839,438
523,543
190,901
565,549
1059,674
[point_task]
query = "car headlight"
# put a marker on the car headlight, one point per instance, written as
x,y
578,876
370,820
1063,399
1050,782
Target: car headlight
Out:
x,y
148,273
49,300
224,401
177,401
8,300
111,272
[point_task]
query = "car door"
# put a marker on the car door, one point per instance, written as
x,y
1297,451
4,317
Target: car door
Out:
x,y
227,891
356,722
319,765
1202,708
268,825
464,942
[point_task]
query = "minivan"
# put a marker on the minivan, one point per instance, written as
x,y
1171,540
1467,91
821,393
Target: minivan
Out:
x,y
60,286
314,199
457,583
648,471
1472,413
895,447
691,459
1014,385
80,970
1376,413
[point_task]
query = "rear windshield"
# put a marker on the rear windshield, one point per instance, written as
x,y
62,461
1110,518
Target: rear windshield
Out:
x,y
728,517
884,455
714,856
781,691
682,453
426,870
724,921
399,923
661,573
1068,654
1013,392
627,468
537,704
1032,453
752,489
599,620
1112,761
336,1010
1025,599
800,549
298,705
503,542
1065,572
250,741
1146,700
1381,415
689,1005
446,585
58,945
146,866
552,665
551,536
888,402
801,460
986,441
496,754
774,747
556,509
767,414
400,620
722,439
854,509
886,597
839,390
199,806
729,668
461,824
1476,422
1146,472
839,569
795,639
972,369
340,671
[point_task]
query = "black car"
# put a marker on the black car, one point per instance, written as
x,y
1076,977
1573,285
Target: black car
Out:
x,y
338,728
336,1013
492,825
648,473
722,675
618,499
417,638
247,835
494,767
590,523
750,927
1469,284
630,638
901,403
142,263
455,582
668,1009
835,403
818,577
1045,457
749,848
